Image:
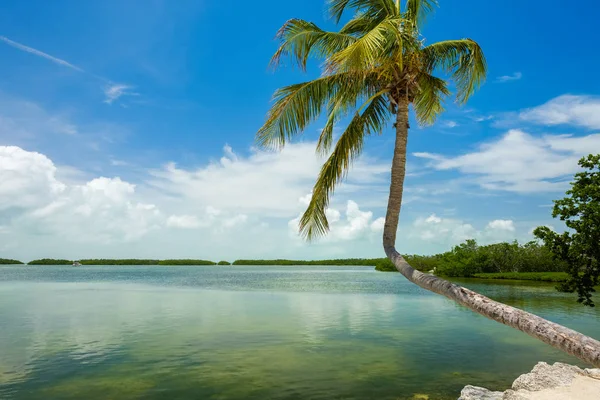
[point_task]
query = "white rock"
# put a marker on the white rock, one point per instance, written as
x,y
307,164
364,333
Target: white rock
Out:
x,y
593,372
545,376
478,393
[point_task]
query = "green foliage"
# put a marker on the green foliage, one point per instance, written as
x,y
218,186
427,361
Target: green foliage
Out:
x,y
376,62
468,259
421,263
186,262
50,261
526,276
340,262
8,261
223,263
579,247
385,265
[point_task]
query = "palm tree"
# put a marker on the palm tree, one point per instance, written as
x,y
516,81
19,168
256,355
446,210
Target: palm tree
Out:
x,y
375,67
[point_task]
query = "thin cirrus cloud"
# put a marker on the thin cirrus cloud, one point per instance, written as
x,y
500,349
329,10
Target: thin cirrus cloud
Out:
x,y
38,53
509,78
116,91
112,92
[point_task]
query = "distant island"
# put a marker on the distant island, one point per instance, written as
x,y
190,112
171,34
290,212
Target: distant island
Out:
x,y
8,261
529,261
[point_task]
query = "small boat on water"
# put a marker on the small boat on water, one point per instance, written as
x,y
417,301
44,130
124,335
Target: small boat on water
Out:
x,y
76,264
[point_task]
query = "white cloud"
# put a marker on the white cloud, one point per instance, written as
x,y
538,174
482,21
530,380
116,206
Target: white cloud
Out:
x,y
442,230
450,124
357,224
502,225
581,111
112,92
103,209
174,215
265,183
509,78
116,91
28,179
450,232
39,53
483,118
519,162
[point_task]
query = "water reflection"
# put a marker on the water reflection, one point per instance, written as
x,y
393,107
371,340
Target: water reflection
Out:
x,y
330,336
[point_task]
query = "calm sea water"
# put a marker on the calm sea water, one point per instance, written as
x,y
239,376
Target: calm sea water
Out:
x,y
154,332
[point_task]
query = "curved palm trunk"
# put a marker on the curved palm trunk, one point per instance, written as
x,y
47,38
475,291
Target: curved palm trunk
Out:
x,y
583,347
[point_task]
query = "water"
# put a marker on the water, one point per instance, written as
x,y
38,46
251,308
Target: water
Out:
x,y
258,333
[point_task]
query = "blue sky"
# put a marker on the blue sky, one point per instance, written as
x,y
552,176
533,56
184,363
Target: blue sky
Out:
x,y
127,128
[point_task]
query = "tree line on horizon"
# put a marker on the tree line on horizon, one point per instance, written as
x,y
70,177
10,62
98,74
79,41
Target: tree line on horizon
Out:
x,y
464,260
130,261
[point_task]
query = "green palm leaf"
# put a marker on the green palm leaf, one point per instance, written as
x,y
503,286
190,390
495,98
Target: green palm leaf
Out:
x,y
349,146
300,39
463,59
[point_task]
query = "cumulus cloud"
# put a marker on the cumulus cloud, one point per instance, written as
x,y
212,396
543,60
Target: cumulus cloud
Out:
x,y
520,162
265,183
581,111
357,224
502,225
28,179
449,231
173,214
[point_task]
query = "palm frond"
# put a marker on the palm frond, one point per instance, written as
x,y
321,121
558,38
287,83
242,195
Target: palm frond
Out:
x,y
349,146
371,7
428,103
296,106
418,10
370,50
463,59
361,24
300,39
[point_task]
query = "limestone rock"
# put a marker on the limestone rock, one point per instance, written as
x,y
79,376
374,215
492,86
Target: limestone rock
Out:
x,y
478,393
593,372
545,376
512,395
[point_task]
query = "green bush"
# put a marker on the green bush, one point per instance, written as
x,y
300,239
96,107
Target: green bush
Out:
x,y
223,263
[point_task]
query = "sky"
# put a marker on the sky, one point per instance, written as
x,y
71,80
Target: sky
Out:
x,y
127,131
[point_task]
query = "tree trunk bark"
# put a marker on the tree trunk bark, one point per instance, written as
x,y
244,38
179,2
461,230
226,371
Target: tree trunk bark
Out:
x,y
583,347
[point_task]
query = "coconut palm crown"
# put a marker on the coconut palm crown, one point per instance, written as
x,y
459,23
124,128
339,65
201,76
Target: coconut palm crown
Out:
x,y
374,67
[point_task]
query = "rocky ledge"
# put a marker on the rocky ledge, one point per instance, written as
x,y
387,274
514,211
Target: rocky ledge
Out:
x,y
545,382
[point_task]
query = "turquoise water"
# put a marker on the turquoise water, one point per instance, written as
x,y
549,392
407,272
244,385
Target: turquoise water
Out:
x,y
258,333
